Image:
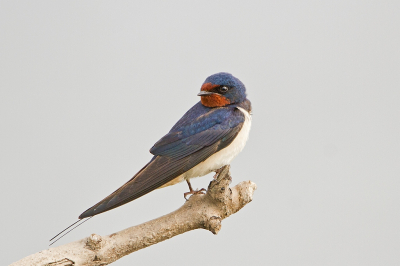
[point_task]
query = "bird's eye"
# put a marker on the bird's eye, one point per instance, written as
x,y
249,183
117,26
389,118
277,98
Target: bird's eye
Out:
x,y
223,89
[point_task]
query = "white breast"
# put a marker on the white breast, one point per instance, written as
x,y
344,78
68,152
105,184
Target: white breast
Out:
x,y
221,158
224,156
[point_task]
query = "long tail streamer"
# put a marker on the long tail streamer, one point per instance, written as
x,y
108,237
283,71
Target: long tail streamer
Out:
x,y
81,222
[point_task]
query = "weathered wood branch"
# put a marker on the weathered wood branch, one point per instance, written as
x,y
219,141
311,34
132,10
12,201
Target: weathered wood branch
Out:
x,y
200,211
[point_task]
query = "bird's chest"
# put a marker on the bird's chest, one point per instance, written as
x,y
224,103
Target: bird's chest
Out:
x,y
226,155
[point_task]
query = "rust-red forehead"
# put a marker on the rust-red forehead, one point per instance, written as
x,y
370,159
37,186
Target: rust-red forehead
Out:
x,y
208,86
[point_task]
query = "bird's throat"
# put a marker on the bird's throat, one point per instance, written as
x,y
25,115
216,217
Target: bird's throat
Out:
x,y
214,100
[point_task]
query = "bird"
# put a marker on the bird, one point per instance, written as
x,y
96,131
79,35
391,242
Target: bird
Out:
x,y
207,137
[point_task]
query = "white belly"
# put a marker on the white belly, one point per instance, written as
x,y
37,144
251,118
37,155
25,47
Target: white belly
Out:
x,y
221,158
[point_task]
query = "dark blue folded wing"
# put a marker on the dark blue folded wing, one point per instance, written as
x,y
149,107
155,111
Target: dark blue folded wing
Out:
x,y
185,146
203,131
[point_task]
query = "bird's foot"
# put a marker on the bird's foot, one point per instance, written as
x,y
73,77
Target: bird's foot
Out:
x,y
194,192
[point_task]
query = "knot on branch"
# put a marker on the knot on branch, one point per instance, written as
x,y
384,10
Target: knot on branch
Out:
x,y
229,200
213,224
219,188
94,242
63,262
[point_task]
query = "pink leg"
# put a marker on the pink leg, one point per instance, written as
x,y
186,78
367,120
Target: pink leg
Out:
x,y
193,192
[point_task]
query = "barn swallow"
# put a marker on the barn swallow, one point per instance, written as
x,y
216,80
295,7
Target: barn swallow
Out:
x,y
207,137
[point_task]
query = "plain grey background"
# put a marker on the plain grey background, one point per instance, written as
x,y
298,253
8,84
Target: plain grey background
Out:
x,y
87,87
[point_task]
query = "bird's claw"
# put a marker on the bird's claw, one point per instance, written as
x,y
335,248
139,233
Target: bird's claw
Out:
x,y
217,172
194,192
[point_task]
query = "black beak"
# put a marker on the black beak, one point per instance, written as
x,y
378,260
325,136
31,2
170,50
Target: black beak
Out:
x,y
204,93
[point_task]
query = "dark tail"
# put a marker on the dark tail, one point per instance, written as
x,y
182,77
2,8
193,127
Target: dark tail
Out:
x,y
81,222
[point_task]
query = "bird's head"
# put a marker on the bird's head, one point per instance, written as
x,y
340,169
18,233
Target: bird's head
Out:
x,y
222,89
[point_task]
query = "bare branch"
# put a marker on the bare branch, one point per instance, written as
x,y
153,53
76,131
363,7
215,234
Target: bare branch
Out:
x,y
200,211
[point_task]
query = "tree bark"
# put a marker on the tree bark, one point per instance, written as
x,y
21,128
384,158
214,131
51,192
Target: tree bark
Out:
x,y
200,211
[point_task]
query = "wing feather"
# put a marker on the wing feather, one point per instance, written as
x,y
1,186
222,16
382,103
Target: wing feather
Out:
x,y
176,153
